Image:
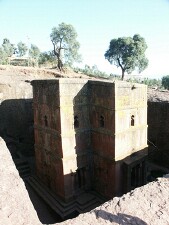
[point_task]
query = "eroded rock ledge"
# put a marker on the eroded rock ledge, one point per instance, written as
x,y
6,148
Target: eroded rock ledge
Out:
x,y
148,205
15,205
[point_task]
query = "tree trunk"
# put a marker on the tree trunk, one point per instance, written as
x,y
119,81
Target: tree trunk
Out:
x,y
122,76
57,53
60,64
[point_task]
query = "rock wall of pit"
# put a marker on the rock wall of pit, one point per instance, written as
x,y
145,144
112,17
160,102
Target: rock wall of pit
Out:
x,y
16,116
15,205
158,132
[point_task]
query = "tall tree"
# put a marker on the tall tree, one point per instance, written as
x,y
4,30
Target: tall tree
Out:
x,y
128,53
22,49
3,57
165,82
8,48
65,44
34,53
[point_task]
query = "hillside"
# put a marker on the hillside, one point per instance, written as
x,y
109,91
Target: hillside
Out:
x,y
6,72
13,74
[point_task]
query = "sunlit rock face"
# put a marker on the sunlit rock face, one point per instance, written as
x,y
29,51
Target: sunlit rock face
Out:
x,y
15,205
143,206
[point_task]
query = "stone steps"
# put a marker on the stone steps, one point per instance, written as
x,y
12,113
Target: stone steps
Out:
x,y
81,204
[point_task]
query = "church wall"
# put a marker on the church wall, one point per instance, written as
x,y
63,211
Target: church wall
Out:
x,y
75,126
102,136
84,131
130,119
47,128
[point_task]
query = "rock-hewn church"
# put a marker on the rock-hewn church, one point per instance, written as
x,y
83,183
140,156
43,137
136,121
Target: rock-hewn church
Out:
x,y
90,135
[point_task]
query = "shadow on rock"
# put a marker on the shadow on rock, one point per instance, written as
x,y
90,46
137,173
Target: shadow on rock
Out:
x,y
120,218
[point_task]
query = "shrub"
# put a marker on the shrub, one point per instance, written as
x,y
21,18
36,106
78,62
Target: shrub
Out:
x,y
165,82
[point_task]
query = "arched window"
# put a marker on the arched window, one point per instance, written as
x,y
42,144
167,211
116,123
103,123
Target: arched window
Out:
x,y
76,122
101,121
132,120
46,121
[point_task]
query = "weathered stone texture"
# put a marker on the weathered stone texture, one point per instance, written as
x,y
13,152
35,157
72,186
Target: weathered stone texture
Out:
x,y
16,126
147,205
92,134
131,101
158,132
16,114
48,143
15,205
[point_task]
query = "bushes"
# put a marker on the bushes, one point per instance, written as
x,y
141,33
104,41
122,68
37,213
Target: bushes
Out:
x,y
165,82
92,71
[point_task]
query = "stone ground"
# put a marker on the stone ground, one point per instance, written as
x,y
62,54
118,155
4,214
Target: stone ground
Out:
x,y
147,205
30,73
158,96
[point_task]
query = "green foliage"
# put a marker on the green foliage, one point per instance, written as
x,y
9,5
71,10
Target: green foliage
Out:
x,y
65,44
128,53
22,49
34,53
3,57
6,51
46,58
8,48
153,83
165,82
92,71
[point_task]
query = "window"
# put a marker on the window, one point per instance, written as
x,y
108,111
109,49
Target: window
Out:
x,y
132,120
46,121
138,175
76,122
101,121
81,177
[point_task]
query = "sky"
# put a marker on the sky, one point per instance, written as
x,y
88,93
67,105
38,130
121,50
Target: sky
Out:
x,y
96,23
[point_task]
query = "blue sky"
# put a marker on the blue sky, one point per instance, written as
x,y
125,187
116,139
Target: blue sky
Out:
x,y
96,22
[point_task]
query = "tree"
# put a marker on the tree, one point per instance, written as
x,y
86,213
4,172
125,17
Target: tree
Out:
x,y
46,58
165,82
22,49
128,53
65,44
3,57
34,53
8,48
91,71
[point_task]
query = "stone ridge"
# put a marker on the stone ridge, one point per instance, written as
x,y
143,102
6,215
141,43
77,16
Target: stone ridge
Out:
x,y
15,205
147,205
158,96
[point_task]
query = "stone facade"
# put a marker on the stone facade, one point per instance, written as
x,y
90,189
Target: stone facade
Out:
x,y
90,135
